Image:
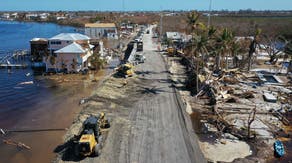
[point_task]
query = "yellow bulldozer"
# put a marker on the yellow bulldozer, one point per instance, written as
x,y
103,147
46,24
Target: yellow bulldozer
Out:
x,y
89,142
125,70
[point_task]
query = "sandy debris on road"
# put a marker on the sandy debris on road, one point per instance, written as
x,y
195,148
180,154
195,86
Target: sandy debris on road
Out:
x,y
226,150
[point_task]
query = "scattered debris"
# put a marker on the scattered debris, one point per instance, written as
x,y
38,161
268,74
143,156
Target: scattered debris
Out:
x,y
83,101
2,131
18,144
270,97
26,83
227,100
247,95
279,148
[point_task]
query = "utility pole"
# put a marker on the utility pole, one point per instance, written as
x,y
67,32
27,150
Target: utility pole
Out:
x,y
209,15
161,19
123,5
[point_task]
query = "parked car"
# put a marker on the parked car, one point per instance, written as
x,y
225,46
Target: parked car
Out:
x,y
140,58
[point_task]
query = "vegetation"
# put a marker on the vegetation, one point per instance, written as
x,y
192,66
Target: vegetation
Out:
x,y
97,62
221,44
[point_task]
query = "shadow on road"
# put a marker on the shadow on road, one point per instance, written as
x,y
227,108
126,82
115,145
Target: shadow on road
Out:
x,y
145,72
153,90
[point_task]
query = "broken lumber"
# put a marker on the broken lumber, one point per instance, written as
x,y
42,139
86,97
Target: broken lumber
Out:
x,y
17,144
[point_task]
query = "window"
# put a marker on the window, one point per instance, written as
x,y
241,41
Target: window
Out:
x,y
56,42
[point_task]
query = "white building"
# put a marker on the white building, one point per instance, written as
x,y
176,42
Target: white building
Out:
x,y
14,15
101,30
69,52
44,16
31,16
5,16
61,17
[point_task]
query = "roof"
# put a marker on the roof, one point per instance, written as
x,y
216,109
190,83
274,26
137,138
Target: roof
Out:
x,y
39,39
100,25
70,37
72,48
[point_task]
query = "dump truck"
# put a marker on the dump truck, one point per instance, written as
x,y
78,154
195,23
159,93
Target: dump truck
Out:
x,y
125,70
139,46
89,142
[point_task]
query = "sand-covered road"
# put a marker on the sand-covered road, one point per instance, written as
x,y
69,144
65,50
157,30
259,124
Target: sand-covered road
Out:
x,y
151,128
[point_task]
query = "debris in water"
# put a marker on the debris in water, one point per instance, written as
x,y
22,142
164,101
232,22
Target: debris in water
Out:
x,y
2,131
83,101
18,144
28,74
26,83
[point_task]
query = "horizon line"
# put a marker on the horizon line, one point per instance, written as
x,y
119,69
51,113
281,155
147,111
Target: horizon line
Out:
x,y
222,10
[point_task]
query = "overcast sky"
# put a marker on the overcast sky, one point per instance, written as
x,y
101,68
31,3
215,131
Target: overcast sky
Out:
x,y
142,5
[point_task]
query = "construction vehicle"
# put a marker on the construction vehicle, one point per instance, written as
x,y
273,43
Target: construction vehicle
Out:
x,y
139,46
171,51
103,121
89,142
125,70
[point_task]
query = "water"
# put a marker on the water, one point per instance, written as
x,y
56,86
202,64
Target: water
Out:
x,y
16,35
40,103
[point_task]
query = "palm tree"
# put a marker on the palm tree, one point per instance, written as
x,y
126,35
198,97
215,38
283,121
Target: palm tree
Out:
x,y
252,46
192,21
202,42
193,18
224,43
234,49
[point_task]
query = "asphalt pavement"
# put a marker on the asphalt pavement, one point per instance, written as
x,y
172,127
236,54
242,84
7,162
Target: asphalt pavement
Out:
x,y
158,131
150,125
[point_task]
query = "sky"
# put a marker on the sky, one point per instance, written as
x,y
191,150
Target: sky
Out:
x,y
142,5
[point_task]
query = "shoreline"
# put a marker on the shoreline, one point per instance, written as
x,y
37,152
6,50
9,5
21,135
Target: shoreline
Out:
x,y
44,22
56,114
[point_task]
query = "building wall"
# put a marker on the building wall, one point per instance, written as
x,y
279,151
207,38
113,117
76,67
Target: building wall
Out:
x,y
80,60
97,33
38,50
58,44
67,60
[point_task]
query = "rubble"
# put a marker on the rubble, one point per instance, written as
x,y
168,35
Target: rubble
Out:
x,y
232,96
